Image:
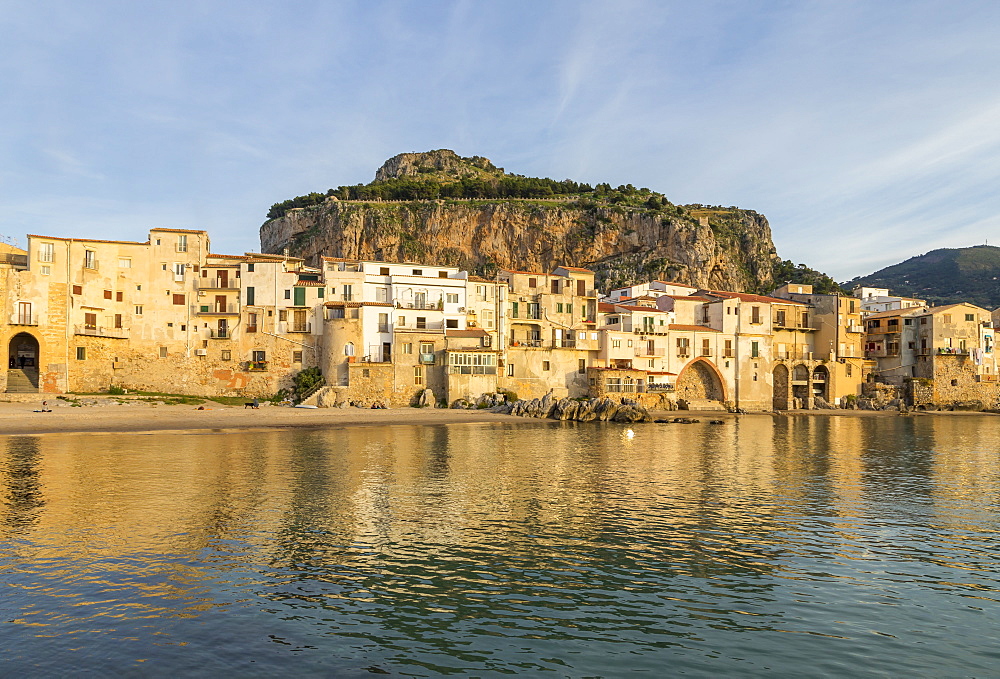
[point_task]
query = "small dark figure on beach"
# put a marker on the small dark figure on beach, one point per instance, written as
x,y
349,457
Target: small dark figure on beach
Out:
x,y
251,404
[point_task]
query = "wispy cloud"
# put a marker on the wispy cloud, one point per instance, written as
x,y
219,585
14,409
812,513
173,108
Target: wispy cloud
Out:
x,y
864,133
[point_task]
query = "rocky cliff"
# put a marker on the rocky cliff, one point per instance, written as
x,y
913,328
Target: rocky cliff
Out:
x,y
723,248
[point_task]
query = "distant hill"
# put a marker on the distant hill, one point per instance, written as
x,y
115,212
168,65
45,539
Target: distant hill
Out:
x,y
943,276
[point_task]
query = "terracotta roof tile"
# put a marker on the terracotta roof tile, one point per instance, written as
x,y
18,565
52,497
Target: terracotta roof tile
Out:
x,y
691,328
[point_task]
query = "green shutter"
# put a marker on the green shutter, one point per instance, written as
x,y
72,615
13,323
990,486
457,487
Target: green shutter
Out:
x,y
300,297
250,295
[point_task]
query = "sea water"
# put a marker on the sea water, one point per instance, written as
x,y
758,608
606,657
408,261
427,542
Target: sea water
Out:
x,y
789,546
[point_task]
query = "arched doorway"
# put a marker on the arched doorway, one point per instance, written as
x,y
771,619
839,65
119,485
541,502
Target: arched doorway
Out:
x,y
699,381
22,363
821,382
800,387
781,395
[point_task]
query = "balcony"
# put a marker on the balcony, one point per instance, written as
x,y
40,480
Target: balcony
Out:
x,y
229,309
646,351
208,284
24,319
564,343
535,343
855,328
256,366
299,327
100,331
427,358
250,328
659,387
220,333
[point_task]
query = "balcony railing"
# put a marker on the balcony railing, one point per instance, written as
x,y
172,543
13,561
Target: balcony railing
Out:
x,y
215,309
427,358
299,327
659,386
250,328
564,343
536,343
209,284
23,319
220,333
646,351
256,366
100,331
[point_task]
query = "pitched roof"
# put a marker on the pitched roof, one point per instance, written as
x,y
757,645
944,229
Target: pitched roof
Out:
x,y
575,268
747,297
908,311
936,309
691,328
526,273
89,240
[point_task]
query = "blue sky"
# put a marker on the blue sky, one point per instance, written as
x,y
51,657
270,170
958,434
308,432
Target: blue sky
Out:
x,y
866,132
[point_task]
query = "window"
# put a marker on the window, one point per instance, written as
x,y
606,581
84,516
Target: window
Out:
x,y
755,314
488,318
907,321
946,318
251,322
119,296
227,355
46,270
383,322
465,363
418,375
118,320
970,317
848,368
321,292
581,366
89,259
182,243
251,296
383,271
555,286
683,347
513,309
288,294
452,298
754,349
81,353
426,347
349,349
451,323
546,365
178,300
442,274
138,310
300,297
90,321
421,322
46,252
163,352
77,290
893,323
418,272
510,370
107,294
728,351
532,282
408,347
249,267
559,307
779,318
348,294
706,347
179,272
923,321
805,319
616,344
259,356
296,357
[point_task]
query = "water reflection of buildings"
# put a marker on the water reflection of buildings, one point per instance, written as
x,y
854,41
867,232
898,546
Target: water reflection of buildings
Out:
x,y
688,500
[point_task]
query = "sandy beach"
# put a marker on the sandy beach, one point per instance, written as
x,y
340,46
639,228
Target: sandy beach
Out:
x,y
104,415
137,417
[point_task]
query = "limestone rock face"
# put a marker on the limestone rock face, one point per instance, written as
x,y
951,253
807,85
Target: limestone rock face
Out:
x,y
441,161
730,251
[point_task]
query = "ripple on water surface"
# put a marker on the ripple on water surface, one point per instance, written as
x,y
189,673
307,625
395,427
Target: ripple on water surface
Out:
x,y
798,546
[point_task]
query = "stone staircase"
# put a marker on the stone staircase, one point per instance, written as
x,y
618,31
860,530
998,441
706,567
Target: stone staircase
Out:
x,y
21,381
704,404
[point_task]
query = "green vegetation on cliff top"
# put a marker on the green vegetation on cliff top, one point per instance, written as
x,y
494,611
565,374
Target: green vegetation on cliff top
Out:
x,y
944,276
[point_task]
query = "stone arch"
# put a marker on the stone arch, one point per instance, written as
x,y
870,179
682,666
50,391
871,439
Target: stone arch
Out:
x,y
781,395
821,382
23,359
800,386
700,380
